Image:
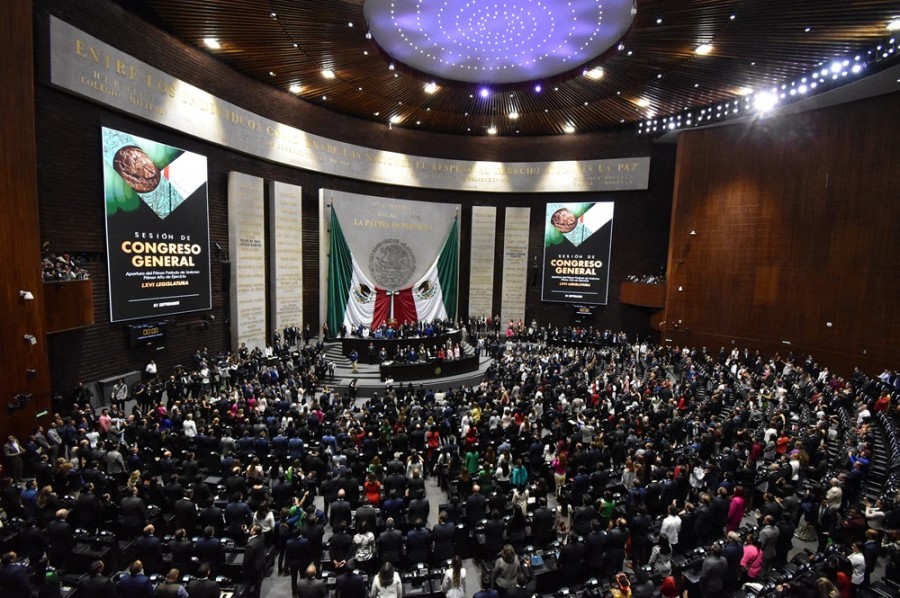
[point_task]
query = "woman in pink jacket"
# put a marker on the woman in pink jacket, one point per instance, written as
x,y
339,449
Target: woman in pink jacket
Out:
x,y
735,510
751,562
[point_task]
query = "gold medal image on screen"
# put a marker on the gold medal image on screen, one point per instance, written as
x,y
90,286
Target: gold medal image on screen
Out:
x,y
162,176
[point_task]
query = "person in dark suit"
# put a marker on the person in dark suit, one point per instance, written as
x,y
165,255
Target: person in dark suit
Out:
x,y
185,512
135,584
13,577
96,585
213,516
238,517
366,514
309,586
443,534
254,566
713,572
182,549
390,544
350,584
476,506
494,535
340,544
210,550
543,523
148,549
418,543
61,538
203,586
596,549
32,541
133,512
297,555
340,511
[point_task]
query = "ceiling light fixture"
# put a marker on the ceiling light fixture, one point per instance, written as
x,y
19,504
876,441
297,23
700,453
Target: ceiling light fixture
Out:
x,y
765,101
893,24
328,73
595,73
295,88
642,102
395,120
514,115
431,87
391,66
492,130
745,91
703,49
485,92
569,128
212,43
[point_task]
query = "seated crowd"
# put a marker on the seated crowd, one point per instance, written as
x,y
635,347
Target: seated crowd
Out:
x,y
606,462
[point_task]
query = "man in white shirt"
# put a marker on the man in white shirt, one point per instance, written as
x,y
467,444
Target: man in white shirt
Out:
x,y
856,558
671,526
189,426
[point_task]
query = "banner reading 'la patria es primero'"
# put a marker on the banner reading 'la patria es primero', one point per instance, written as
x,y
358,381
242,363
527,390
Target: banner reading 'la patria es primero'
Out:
x,y
157,228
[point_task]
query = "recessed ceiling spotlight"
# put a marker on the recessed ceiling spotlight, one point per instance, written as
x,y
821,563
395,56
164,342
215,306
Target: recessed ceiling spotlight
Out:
x,y
377,113
595,73
630,52
492,130
368,35
324,97
537,89
274,15
745,91
659,21
703,49
212,43
391,66
893,24
349,24
295,88
513,115
296,45
431,87
807,30
271,73
569,128
328,73
484,92
396,119
732,17
765,101
620,47
643,102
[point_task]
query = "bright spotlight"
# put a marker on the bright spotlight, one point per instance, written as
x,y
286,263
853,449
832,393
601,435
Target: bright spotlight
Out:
x,y
764,102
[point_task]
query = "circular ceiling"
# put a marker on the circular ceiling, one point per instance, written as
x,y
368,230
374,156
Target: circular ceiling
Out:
x,y
497,41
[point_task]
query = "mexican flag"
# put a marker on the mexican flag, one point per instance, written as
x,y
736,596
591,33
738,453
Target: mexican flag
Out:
x,y
353,299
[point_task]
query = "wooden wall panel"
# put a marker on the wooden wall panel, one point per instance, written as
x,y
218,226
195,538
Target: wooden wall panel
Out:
x,y
68,305
796,223
24,365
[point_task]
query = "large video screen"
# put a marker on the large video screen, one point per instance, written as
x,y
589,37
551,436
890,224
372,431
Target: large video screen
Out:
x,y
157,228
577,246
